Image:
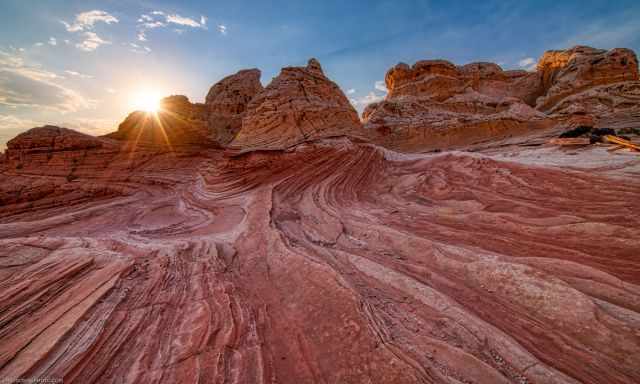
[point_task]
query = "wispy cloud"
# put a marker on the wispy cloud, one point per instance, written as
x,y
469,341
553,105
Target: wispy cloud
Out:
x,y
84,23
222,29
91,42
160,19
23,85
381,86
135,48
78,74
369,98
351,91
186,21
53,41
38,44
528,63
86,20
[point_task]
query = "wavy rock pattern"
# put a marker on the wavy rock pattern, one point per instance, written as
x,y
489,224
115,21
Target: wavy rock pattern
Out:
x,y
333,262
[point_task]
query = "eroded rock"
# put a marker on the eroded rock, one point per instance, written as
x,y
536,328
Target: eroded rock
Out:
x,y
299,104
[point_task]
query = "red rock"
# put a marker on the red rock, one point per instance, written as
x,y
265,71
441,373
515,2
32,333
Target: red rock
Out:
x,y
177,125
570,72
298,105
227,101
435,104
332,261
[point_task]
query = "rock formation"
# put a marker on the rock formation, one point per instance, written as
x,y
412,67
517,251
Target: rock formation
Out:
x,y
227,101
435,104
299,105
329,260
176,125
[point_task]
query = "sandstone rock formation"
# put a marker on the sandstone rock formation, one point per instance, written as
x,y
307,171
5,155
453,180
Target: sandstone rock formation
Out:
x,y
435,104
178,124
300,104
329,260
227,101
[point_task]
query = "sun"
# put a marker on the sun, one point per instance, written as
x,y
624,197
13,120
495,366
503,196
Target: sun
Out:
x,y
146,100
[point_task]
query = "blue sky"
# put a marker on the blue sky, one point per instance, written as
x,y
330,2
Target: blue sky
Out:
x,y
78,63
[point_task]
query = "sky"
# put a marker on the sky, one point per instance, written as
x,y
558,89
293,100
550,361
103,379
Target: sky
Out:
x,y
82,64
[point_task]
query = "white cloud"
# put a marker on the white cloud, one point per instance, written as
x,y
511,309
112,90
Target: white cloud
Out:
x,y
371,97
67,42
222,29
86,20
159,19
351,91
78,74
186,21
139,49
381,86
91,42
38,44
528,63
53,41
23,85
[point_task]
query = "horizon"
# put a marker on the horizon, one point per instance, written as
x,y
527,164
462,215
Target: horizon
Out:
x,y
81,65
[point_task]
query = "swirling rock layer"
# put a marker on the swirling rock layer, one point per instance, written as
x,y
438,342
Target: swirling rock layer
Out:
x,y
332,262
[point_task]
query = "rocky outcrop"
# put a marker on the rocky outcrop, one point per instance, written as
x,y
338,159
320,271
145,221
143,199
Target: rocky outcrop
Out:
x,y
435,104
335,262
56,151
177,125
570,72
300,104
227,102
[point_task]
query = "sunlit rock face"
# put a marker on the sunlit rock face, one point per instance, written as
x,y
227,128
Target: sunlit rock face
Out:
x,y
435,104
227,102
593,82
177,125
298,105
323,260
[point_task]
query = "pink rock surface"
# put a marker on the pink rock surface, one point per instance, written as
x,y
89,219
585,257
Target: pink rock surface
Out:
x,y
323,260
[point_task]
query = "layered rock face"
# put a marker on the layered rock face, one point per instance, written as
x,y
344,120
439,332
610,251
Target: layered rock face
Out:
x,y
334,263
330,260
435,104
177,125
227,102
599,84
299,105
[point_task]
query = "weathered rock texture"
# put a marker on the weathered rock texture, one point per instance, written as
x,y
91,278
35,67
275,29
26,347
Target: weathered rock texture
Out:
x,y
178,124
227,102
333,261
299,105
435,104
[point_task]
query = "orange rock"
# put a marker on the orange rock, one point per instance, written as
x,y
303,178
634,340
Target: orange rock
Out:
x,y
227,101
298,105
